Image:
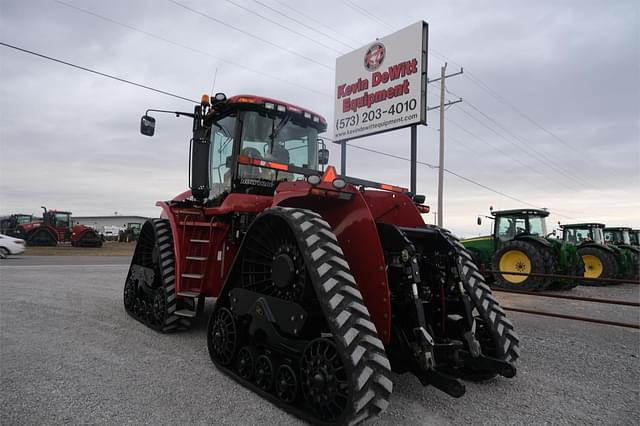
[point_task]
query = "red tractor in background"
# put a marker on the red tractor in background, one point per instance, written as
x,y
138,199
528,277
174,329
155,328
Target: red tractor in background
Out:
x,y
56,226
324,283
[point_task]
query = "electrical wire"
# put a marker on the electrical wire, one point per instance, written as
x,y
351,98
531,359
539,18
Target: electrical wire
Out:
x,y
253,12
310,18
102,74
189,48
458,175
262,39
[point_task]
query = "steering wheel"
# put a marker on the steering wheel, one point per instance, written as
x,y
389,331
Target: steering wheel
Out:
x,y
251,152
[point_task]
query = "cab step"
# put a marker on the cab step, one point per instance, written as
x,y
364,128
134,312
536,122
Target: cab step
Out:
x,y
195,240
198,258
187,313
194,276
189,293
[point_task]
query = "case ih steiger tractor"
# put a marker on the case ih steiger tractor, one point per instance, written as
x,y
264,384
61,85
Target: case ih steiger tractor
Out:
x,y
520,243
56,226
324,283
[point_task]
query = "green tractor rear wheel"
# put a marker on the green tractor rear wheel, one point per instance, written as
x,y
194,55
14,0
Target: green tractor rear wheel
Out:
x,y
521,257
598,263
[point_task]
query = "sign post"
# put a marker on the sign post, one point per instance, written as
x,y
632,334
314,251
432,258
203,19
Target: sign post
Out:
x,y
382,86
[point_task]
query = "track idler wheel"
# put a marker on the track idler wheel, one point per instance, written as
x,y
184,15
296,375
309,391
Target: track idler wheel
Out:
x,y
264,372
246,362
223,336
286,384
324,380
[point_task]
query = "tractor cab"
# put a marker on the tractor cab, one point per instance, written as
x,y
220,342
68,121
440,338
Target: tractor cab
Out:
x,y
511,224
249,144
583,233
57,219
634,237
617,236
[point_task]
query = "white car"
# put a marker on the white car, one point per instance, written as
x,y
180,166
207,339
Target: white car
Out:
x,y
10,245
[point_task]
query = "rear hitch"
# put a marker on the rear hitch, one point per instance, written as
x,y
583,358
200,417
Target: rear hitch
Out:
x,y
503,368
446,383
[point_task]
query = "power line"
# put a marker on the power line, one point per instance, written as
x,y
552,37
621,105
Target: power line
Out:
x,y
282,26
528,144
366,13
102,74
262,39
201,52
459,176
305,25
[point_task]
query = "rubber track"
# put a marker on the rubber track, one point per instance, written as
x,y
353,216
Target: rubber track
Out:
x,y
355,336
495,319
166,258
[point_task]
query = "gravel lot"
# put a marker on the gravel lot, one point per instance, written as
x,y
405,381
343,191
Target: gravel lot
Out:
x,y
70,354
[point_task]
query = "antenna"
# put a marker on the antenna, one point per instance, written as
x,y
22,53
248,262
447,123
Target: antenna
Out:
x,y
215,75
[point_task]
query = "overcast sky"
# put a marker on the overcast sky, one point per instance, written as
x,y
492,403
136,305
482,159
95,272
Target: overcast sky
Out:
x,y
551,114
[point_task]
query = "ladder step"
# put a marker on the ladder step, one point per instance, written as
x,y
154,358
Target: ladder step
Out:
x,y
194,276
193,240
185,313
189,293
199,258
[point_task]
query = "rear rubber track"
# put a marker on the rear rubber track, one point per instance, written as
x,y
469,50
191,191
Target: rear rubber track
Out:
x,y
354,335
155,309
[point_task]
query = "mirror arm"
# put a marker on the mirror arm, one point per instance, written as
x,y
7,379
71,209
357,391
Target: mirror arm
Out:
x,y
177,113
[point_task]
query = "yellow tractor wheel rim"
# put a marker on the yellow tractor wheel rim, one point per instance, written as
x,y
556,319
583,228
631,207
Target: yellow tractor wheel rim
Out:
x,y
592,266
515,261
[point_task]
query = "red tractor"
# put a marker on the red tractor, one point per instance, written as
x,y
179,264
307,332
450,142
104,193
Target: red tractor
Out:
x,y
324,283
57,226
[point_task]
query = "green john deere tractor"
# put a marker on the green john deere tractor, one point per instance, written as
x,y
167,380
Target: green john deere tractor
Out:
x,y
619,238
520,243
600,260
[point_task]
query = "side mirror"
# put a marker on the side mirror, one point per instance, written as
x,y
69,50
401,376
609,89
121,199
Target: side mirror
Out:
x,y
323,156
147,125
419,199
479,220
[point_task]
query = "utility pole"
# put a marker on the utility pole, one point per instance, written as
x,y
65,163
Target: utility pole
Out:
x,y
442,106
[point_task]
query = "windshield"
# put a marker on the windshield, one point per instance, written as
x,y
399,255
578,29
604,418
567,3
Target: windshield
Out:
x,y
617,236
62,220
222,133
280,139
509,227
23,218
580,235
537,226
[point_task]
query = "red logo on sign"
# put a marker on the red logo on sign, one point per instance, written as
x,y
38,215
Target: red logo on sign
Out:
x,y
374,56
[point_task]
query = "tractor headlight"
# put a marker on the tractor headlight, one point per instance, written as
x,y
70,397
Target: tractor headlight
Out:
x,y
314,180
339,183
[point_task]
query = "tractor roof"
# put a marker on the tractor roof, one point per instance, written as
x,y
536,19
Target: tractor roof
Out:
x,y
583,225
275,104
617,228
521,212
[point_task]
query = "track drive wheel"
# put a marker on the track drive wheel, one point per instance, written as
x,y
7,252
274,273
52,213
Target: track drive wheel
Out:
x,y
495,333
522,257
89,238
334,370
598,263
150,290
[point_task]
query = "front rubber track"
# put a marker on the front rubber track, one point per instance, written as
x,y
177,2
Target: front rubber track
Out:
x,y
354,335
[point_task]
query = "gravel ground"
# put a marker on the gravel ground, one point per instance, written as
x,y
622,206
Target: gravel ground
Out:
x,y
70,354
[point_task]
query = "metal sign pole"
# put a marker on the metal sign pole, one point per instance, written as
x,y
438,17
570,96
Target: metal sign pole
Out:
x,y
343,158
414,157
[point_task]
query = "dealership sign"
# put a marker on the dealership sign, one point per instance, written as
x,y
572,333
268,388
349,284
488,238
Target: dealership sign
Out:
x,y
382,86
